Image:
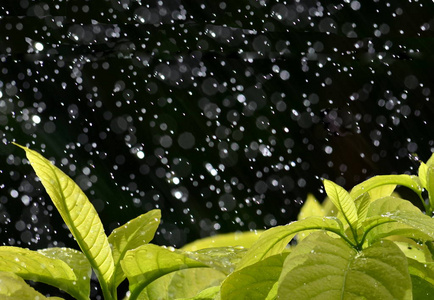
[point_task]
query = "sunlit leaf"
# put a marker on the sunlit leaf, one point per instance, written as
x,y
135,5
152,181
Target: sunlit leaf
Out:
x,y
362,204
322,267
254,281
183,284
79,215
31,265
382,208
223,259
416,220
211,293
422,172
243,239
430,185
149,262
413,250
311,208
343,201
131,235
275,240
77,261
13,287
381,191
410,181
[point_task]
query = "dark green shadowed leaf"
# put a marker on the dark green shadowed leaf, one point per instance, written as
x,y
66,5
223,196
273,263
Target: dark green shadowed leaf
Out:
x,y
79,215
131,235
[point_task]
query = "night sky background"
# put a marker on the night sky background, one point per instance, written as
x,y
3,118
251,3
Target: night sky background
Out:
x,y
224,115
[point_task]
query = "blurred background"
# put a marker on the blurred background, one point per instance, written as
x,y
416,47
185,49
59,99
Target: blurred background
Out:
x,y
223,114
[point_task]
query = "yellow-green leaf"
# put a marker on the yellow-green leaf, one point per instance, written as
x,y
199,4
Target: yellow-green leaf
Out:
x,y
275,240
234,239
343,201
131,235
149,262
79,215
13,287
31,265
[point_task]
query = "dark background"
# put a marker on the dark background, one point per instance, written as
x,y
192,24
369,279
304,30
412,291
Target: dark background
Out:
x,y
224,114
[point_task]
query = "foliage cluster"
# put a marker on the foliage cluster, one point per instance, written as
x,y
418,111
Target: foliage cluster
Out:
x,y
367,243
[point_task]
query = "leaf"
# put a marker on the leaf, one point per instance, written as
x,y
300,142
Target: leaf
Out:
x,y
381,191
131,235
149,262
31,265
211,293
186,284
244,239
362,205
79,215
422,289
410,181
430,185
78,262
422,277
223,259
383,207
412,249
416,220
343,201
422,172
311,208
322,267
274,241
13,287
254,281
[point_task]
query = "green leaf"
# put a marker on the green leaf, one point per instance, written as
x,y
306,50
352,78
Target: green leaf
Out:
x,y
383,207
211,293
362,205
79,215
422,276
254,281
410,181
311,208
422,172
416,220
322,267
223,259
13,287
31,265
78,262
343,201
382,191
422,289
149,262
234,239
131,235
275,240
430,186
184,284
